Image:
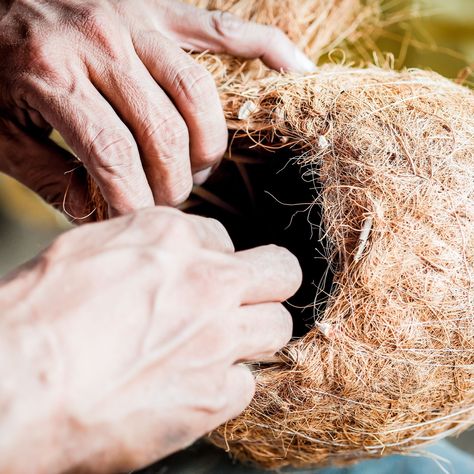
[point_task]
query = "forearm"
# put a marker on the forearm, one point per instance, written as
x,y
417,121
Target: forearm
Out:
x,y
31,415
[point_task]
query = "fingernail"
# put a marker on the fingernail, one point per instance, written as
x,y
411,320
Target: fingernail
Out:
x,y
201,177
305,64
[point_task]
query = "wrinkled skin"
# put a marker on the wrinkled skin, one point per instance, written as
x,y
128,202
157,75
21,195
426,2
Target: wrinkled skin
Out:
x,y
113,78
45,168
122,342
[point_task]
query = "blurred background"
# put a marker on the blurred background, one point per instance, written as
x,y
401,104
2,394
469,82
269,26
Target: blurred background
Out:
x,y
441,38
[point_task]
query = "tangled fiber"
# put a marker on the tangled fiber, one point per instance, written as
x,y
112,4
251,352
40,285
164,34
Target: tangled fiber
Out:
x,y
388,157
316,26
388,364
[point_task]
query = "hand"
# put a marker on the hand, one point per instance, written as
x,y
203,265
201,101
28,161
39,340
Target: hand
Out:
x,y
122,342
45,168
112,77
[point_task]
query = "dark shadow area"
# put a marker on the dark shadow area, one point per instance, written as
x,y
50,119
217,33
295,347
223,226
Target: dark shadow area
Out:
x,y
273,204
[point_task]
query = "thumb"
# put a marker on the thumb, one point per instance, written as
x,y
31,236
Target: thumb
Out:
x,y
47,169
222,32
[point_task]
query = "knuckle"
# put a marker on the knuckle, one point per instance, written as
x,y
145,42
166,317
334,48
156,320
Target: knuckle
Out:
x,y
41,80
235,393
179,192
171,133
198,90
93,20
176,231
87,16
225,24
196,84
275,34
285,322
212,153
38,70
213,277
29,54
177,134
177,225
113,149
247,384
221,232
149,231
275,326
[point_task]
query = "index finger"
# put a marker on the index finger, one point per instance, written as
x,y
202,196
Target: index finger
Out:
x,y
194,93
101,140
273,274
222,32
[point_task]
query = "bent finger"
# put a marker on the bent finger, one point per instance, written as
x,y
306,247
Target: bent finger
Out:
x,y
240,388
261,330
273,274
158,128
234,395
212,234
194,93
223,32
102,142
181,228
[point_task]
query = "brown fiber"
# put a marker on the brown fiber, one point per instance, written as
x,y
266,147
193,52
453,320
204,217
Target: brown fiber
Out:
x,y
316,26
388,365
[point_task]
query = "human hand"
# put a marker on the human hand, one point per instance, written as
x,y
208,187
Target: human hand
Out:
x,y
122,342
45,168
112,77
